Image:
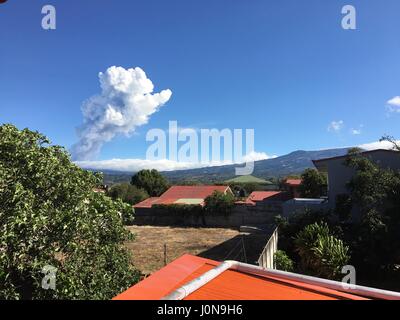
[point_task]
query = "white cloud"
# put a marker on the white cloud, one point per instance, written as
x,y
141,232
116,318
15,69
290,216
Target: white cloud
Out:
x,y
257,156
394,104
126,102
378,145
134,165
357,131
336,126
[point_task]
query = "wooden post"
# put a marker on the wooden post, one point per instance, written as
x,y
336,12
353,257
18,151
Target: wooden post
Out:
x,y
165,254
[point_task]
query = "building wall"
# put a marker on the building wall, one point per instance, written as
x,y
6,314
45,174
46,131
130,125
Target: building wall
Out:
x,y
339,174
296,205
241,215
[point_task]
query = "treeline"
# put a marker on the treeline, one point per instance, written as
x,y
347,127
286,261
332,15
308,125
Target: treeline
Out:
x,y
321,243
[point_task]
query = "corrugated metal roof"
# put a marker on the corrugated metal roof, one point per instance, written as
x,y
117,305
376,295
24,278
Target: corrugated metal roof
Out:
x,y
230,285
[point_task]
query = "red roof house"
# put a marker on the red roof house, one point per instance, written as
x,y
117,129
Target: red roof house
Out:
x,y
259,196
183,195
293,182
194,278
292,185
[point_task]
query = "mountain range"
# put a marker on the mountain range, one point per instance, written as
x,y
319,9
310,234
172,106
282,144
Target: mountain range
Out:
x,y
293,163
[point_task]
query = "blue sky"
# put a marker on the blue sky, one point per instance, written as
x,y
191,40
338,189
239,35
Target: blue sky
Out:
x,y
285,68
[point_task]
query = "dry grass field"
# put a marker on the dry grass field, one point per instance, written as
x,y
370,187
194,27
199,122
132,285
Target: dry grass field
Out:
x,y
212,243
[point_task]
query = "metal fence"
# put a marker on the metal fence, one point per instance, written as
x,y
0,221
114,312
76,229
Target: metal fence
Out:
x,y
266,259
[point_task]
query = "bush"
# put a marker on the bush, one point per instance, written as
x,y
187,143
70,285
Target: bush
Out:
x,y
283,262
219,203
343,207
180,209
127,193
321,254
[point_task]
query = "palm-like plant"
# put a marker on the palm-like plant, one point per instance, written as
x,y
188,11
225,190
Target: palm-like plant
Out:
x,y
321,253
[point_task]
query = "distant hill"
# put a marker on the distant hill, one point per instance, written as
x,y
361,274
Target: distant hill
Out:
x,y
293,163
248,179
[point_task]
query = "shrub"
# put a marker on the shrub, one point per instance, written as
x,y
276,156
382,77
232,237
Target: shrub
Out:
x,y
219,203
127,193
321,254
343,207
180,209
283,262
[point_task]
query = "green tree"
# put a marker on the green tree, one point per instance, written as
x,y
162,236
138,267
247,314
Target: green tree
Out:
x,y
127,193
313,184
376,193
321,254
150,180
219,203
50,216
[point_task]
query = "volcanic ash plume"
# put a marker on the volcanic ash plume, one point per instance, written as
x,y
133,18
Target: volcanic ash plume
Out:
x,y
126,102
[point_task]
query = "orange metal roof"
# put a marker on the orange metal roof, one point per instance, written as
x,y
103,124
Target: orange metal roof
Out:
x,y
293,182
257,196
230,285
189,192
261,195
146,203
175,193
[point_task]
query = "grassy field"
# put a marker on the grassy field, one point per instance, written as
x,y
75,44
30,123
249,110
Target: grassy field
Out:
x,y
248,179
218,244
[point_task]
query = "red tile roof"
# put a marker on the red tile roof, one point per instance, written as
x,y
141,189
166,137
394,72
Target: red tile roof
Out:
x,y
175,193
146,203
293,182
261,195
230,284
257,196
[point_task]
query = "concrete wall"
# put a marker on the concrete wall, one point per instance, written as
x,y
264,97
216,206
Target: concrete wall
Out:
x,y
295,205
260,214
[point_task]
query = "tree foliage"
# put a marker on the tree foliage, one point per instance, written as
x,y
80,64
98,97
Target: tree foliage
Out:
x,y
127,193
151,181
49,215
219,203
313,184
376,193
283,262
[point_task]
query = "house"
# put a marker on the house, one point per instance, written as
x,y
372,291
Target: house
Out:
x,y
292,186
339,174
194,278
194,195
260,197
